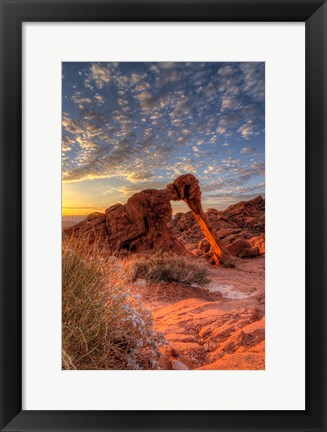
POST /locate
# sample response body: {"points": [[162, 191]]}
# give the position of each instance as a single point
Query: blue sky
{"points": [[133, 126]]}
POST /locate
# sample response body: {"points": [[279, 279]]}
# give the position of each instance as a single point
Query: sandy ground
{"points": [[221, 326]]}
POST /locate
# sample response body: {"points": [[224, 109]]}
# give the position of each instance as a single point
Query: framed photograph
{"points": [[163, 234]]}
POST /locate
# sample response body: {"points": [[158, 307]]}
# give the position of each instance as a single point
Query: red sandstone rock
{"points": [[93, 227], [214, 334], [145, 224], [242, 221], [186, 187], [138, 226], [238, 247], [259, 242], [204, 245]]}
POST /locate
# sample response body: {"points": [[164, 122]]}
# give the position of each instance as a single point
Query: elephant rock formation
{"points": [[141, 225]]}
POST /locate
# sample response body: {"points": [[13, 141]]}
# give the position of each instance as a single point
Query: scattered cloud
{"points": [[247, 129], [99, 99], [246, 150], [80, 100], [137, 125], [100, 74]]}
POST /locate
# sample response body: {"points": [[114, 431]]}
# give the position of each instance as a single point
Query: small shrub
{"points": [[166, 268], [104, 326]]}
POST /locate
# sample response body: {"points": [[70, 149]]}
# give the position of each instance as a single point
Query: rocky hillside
{"points": [[240, 229]]}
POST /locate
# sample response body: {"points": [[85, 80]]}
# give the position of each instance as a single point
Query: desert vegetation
{"points": [[163, 267], [104, 323]]}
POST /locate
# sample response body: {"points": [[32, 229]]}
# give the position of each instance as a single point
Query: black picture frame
{"points": [[13, 14]]}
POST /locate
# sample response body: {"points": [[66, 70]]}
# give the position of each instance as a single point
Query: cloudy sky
{"points": [[133, 126]]}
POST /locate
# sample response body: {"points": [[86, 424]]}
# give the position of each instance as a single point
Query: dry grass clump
{"points": [[166, 268], [104, 326]]}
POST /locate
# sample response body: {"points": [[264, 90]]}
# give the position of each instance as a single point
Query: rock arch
{"points": [[186, 187], [142, 223]]}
